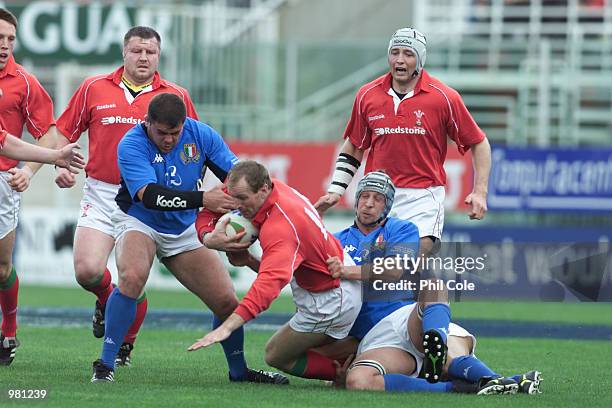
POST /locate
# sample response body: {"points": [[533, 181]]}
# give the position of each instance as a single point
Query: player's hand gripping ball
{"points": [[238, 223]]}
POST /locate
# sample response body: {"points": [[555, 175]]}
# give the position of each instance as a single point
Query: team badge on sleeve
{"points": [[190, 153]]}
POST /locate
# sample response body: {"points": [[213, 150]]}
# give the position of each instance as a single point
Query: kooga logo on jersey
{"points": [[110, 120], [399, 130], [176, 202]]}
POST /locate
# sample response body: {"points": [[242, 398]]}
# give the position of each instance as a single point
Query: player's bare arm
{"points": [[15, 148], [360, 272], [218, 201], [338, 270], [244, 258], [63, 178], [477, 199], [220, 333], [20, 181], [349, 152]]}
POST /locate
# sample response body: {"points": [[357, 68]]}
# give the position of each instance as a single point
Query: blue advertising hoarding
{"points": [[551, 179]]}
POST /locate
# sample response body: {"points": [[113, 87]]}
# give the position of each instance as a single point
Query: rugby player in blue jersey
{"points": [[390, 325], [161, 162]]}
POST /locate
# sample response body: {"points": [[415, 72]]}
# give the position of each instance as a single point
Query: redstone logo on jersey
{"points": [[111, 120], [399, 130]]}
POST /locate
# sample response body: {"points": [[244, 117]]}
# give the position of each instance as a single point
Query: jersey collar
{"points": [[10, 68], [116, 78], [423, 84]]}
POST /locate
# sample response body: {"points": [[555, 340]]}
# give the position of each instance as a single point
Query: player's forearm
{"points": [[233, 322], [352, 150], [369, 272], [481, 157], [16, 149], [347, 164], [253, 263], [352, 273], [49, 140], [158, 197]]}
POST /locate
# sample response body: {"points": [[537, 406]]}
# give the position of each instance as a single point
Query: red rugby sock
{"points": [[9, 292]]}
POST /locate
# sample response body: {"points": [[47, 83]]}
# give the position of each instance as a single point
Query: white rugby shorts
{"points": [[98, 205], [9, 205], [332, 312], [424, 207], [167, 244], [392, 331]]}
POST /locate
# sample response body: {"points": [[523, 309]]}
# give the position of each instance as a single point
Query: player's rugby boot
{"points": [[263, 377], [435, 356], [7, 349], [530, 383], [101, 373], [124, 356], [98, 320], [496, 386]]}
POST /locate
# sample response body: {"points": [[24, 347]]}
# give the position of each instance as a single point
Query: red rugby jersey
{"points": [[409, 140], [294, 242], [23, 100], [102, 105]]}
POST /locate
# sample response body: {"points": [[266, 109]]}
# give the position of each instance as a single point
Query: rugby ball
{"points": [[239, 223]]}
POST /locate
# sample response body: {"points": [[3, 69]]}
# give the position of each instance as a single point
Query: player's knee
{"points": [[357, 379], [87, 271], [270, 355], [5, 271], [274, 358], [131, 283]]}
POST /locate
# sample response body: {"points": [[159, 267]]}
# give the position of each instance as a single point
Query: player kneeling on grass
{"points": [[295, 248], [390, 326], [161, 162]]}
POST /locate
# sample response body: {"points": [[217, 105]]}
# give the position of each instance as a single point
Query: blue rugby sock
{"points": [[437, 317], [403, 383], [119, 315], [233, 347], [470, 369], [517, 378]]}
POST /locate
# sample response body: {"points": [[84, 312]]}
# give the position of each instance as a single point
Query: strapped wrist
{"points": [[346, 167]]}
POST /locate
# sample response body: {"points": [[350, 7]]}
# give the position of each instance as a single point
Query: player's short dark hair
{"points": [[8, 17], [142, 32], [167, 109], [255, 175]]}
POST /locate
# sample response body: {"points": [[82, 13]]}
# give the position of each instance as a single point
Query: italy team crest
{"points": [[380, 242], [190, 153]]}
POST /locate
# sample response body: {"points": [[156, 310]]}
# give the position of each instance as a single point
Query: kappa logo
{"points": [[120, 120], [399, 131], [158, 159], [350, 248], [108, 340]]}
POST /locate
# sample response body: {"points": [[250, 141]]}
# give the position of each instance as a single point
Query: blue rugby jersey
{"points": [[395, 236], [142, 163]]}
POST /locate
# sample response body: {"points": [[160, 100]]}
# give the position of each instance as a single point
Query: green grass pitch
{"points": [[164, 374]]}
